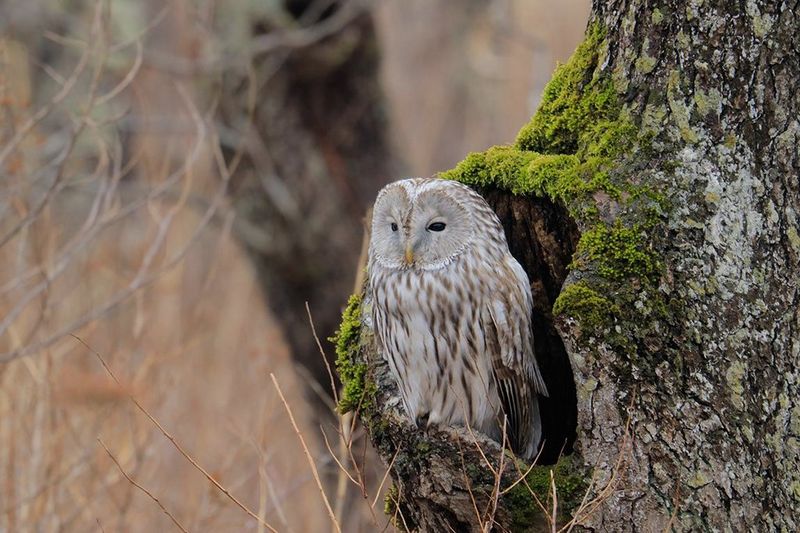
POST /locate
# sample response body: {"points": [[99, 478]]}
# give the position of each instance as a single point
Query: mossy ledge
{"points": [[571, 152], [357, 391], [570, 479], [521, 497]]}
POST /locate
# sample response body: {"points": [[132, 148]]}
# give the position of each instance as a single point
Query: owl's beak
{"points": [[409, 253]]}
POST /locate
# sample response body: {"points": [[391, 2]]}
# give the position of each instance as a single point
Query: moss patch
{"points": [[575, 104], [619, 252], [586, 304], [390, 500], [352, 372], [571, 485], [569, 146]]}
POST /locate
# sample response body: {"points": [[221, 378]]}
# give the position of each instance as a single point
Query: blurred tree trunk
{"points": [[671, 139], [316, 154]]}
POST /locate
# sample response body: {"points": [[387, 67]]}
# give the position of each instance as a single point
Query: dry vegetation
{"points": [[135, 346]]}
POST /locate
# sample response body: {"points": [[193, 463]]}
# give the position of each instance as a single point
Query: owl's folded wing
{"points": [[510, 307], [507, 326]]}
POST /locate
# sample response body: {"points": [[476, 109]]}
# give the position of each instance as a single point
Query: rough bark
{"points": [[680, 311], [714, 400]]}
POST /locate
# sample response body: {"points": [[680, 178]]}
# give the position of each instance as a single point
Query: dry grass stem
{"points": [[308, 454], [385, 477], [141, 488], [324, 357], [175, 443]]}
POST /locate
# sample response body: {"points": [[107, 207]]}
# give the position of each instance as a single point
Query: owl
{"points": [[451, 310]]}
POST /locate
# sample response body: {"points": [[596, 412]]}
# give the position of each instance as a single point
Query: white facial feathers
{"points": [[422, 223]]}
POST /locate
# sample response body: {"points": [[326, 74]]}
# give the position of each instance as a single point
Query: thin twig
{"points": [[127, 80], [523, 476], [397, 509], [45, 110], [141, 488], [386, 475], [498, 478], [554, 521], [140, 280], [587, 508], [308, 454], [174, 442], [322, 353], [336, 459], [468, 484]]}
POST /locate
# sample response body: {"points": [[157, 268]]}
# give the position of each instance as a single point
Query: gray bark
{"points": [[714, 401]]}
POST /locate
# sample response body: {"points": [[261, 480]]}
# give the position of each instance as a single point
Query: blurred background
{"points": [[178, 179]]}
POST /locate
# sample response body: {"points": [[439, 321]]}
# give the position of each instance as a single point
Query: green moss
{"points": [[556, 175], [587, 305], [356, 388], [618, 252], [569, 148], [390, 501], [572, 103], [423, 448], [503, 166], [520, 500], [570, 480], [523, 509], [571, 152]]}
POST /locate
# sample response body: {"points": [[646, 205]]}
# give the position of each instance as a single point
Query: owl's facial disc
{"points": [[439, 229], [424, 231]]}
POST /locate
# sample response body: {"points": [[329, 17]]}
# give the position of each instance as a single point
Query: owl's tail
{"points": [[534, 443]]}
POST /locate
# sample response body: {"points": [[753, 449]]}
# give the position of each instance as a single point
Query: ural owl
{"points": [[452, 311]]}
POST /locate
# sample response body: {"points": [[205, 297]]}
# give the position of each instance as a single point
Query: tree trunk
{"points": [[713, 394], [670, 140], [316, 152]]}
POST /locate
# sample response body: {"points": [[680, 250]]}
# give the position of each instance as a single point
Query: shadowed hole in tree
{"points": [[322, 9], [543, 237]]}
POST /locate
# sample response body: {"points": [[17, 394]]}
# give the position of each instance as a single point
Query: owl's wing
{"points": [[507, 325]]}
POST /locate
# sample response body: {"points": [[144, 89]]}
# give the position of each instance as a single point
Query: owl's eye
{"points": [[437, 226], [394, 226]]}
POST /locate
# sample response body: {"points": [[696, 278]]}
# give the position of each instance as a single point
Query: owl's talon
{"points": [[422, 421]]}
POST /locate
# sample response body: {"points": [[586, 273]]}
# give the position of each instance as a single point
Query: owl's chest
{"points": [[444, 296]]}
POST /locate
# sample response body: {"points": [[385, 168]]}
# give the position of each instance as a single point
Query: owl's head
{"points": [[422, 223]]}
